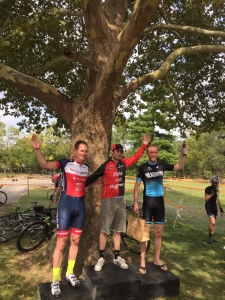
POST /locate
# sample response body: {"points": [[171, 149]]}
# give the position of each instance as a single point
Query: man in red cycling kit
{"points": [[71, 209], [113, 208]]}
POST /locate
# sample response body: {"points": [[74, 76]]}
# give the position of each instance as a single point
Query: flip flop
{"points": [[141, 273], [161, 267]]}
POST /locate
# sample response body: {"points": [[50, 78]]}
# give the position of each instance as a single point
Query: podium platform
{"points": [[114, 283]]}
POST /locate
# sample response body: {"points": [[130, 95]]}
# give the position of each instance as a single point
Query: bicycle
{"points": [[16, 221], [3, 197], [51, 194], [33, 235]]}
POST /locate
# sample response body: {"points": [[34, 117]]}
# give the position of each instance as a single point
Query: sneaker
{"points": [[55, 289], [210, 240], [120, 262], [215, 241], [73, 280], [99, 264]]}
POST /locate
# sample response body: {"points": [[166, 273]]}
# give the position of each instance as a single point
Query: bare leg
{"points": [[212, 222], [58, 252], [102, 240], [158, 230], [143, 246], [74, 245], [116, 240]]}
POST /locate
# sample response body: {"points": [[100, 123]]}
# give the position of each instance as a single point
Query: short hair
{"points": [[78, 143], [152, 146]]}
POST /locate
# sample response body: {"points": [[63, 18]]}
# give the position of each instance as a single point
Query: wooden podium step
{"points": [[114, 283]]}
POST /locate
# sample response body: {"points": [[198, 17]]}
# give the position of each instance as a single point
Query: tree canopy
{"points": [[64, 58]]}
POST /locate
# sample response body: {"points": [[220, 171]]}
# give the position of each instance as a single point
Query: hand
{"points": [[145, 139], [35, 142], [136, 208], [213, 190]]}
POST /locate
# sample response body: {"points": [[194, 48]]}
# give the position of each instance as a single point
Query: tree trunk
{"points": [[96, 131]]}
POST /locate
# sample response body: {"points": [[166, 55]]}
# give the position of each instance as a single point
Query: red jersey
{"points": [[74, 177], [113, 175]]}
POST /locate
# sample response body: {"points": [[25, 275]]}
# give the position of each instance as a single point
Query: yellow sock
{"points": [[70, 267], [56, 274]]}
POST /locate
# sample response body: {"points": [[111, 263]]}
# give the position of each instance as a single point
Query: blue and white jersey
{"points": [[152, 176]]}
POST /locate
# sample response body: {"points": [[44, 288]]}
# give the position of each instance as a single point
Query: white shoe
{"points": [[55, 289], [99, 264], [73, 280], [120, 262]]}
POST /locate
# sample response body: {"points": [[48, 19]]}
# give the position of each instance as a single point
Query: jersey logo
{"points": [[78, 187]]}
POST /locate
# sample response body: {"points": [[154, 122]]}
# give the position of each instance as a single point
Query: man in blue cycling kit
{"points": [[151, 173]]}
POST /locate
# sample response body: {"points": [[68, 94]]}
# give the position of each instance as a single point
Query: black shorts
{"points": [[211, 210], [154, 209]]}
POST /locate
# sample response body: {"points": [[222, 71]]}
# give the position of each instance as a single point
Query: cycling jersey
{"points": [[153, 202], [71, 208], [113, 175], [208, 191], [211, 205], [74, 177], [152, 176]]}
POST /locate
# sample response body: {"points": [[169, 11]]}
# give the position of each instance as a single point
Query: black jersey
{"points": [[208, 191]]}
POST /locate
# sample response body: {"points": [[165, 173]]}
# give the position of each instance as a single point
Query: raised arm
{"points": [[51, 165], [134, 158], [180, 164]]}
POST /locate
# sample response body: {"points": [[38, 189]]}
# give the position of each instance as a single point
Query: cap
{"points": [[117, 147]]}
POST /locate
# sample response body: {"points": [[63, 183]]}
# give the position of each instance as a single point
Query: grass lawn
{"points": [[185, 250]]}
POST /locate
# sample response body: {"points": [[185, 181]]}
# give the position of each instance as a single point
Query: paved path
{"points": [[14, 188]]}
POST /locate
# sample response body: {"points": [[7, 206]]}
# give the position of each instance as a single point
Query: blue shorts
{"points": [[70, 215]]}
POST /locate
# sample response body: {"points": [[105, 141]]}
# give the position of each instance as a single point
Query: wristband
{"points": [[36, 148]]}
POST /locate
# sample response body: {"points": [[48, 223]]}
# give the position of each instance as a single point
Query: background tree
{"points": [[79, 60]]}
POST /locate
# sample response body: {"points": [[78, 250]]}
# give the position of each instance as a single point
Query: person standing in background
{"points": [[211, 202]]}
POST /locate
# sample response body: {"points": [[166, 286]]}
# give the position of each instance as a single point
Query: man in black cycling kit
{"points": [[211, 201], [71, 209], [151, 173]]}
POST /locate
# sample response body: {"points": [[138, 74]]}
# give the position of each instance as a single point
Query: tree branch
{"points": [[94, 21], [69, 56], [38, 89], [180, 110], [115, 12], [191, 29], [132, 31], [141, 81], [63, 12], [141, 15]]}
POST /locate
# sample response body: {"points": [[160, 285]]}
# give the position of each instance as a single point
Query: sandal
{"points": [[162, 267], [141, 273]]}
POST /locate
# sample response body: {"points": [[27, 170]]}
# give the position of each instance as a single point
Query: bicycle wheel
{"points": [[32, 236], [131, 244], [50, 194], [3, 198]]}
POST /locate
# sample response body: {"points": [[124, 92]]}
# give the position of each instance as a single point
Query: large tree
{"points": [[84, 61]]}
